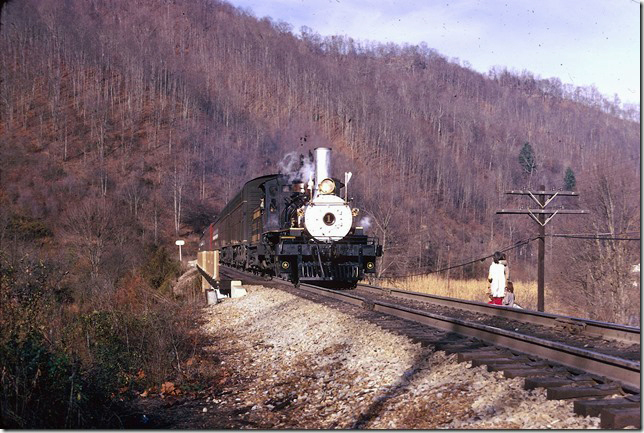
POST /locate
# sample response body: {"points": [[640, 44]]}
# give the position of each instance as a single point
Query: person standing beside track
{"points": [[504, 261], [496, 277], [508, 299]]}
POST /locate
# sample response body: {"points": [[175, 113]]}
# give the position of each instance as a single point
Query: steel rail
{"points": [[625, 372], [606, 330], [622, 371]]}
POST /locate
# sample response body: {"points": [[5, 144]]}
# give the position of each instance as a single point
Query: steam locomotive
{"points": [[298, 229]]}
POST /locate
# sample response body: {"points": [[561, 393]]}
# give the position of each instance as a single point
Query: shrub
{"points": [[43, 383], [69, 365], [28, 228], [160, 269], [38, 386]]}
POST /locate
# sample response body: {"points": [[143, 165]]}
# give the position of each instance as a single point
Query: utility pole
{"points": [[542, 216], [449, 265]]}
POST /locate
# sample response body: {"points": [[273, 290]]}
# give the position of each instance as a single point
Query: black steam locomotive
{"points": [[295, 226]]}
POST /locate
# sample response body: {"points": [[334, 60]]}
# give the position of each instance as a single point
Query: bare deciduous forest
{"points": [[127, 125]]}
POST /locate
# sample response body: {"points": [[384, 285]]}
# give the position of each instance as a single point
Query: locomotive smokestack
{"points": [[322, 166]]}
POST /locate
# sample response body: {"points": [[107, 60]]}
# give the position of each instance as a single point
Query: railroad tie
{"points": [[620, 418], [552, 382], [583, 378], [487, 353], [503, 366], [368, 305], [567, 392], [538, 364], [425, 339], [570, 325], [595, 407], [499, 361], [453, 347], [511, 373]]}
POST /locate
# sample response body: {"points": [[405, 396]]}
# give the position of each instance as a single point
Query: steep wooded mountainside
{"points": [[126, 124]]}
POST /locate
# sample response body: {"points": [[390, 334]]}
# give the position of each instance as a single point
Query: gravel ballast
{"points": [[289, 362]]}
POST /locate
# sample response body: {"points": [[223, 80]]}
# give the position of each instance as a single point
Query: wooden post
{"points": [[541, 268], [215, 264], [449, 264], [201, 262], [208, 261], [542, 216]]}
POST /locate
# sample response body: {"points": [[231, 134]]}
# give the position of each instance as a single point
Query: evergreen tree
{"points": [[569, 179], [527, 159]]}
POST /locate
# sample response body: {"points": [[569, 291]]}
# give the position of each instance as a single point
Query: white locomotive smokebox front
{"points": [[328, 218]]}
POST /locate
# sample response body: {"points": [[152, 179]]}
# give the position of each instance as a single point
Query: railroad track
{"points": [[625, 372], [609, 331], [566, 371]]}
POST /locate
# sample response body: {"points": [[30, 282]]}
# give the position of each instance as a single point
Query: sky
{"points": [[581, 42]]}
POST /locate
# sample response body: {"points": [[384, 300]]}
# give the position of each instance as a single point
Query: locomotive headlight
{"points": [[327, 186], [370, 265], [285, 265]]}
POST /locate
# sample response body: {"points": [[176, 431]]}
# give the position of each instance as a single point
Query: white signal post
{"points": [[180, 242]]}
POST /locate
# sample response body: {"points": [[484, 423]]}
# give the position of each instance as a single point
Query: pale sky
{"points": [[581, 42]]}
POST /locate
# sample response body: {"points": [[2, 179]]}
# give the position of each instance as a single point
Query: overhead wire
{"points": [[631, 232], [480, 259], [587, 236], [591, 237]]}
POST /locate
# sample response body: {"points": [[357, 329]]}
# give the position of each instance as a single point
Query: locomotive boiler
{"points": [[297, 227]]}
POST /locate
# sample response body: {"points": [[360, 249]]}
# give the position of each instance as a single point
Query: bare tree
{"points": [[598, 273], [89, 227]]}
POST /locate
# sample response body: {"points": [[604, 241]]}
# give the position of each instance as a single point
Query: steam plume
{"points": [[297, 167], [365, 222]]}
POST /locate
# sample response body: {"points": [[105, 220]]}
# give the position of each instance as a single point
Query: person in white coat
{"points": [[496, 277]]}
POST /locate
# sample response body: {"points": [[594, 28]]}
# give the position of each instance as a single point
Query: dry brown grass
{"points": [[474, 290]]}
